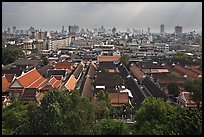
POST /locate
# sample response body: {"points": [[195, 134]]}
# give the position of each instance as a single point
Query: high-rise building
{"points": [[73, 29], [102, 30], [178, 29], [8, 30], [114, 31], [148, 30], [162, 28], [62, 29], [14, 29]]}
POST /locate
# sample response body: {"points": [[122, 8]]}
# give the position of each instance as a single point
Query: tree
{"points": [[195, 87], [44, 60], [13, 116], [173, 75], [156, 117], [125, 59], [118, 80], [188, 121], [9, 55], [103, 107], [173, 89], [111, 127], [60, 113], [182, 57]]}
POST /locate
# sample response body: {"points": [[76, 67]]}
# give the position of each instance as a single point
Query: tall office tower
{"points": [[14, 29], [8, 30], [114, 31], [162, 28], [178, 29], [73, 29], [148, 30], [102, 30], [62, 29]]}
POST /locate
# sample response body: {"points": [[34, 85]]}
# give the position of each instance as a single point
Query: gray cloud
{"points": [[122, 15]]}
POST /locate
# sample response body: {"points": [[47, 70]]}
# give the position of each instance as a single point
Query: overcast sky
{"points": [[122, 15]]}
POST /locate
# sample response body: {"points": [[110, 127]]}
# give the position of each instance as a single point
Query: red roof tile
{"points": [[31, 79], [186, 71], [10, 77], [70, 85], [54, 82], [108, 58], [118, 98], [5, 84], [64, 65], [136, 72]]}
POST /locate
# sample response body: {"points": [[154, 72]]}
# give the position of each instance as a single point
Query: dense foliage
{"points": [[9, 55], [125, 59], [182, 57], [156, 117], [62, 113], [195, 87], [173, 89]]}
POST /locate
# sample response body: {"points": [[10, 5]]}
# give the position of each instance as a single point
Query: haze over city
{"points": [[122, 15]]}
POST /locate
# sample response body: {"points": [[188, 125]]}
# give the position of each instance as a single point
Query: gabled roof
{"points": [[64, 65], [88, 88], [118, 99], [108, 58], [186, 71], [54, 82], [154, 89], [71, 83], [137, 72], [31, 79], [16, 71], [92, 71], [53, 72], [5, 83], [78, 70]]}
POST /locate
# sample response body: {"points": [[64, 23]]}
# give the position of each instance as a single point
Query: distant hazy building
{"points": [[101, 30], [8, 30], [28, 44], [14, 29], [62, 29], [162, 28], [114, 31], [57, 44], [178, 29], [73, 29], [148, 30]]}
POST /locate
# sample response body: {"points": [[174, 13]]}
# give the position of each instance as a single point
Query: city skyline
{"points": [[122, 15]]}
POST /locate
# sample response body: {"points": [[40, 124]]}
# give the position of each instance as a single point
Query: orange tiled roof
{"points": [[196, 70], [70, 85], [188, 102], [186, 71], [10, 77], [54, 82], [5, 84], [118, 98], [108, 58], [64, 65], [136, 72], [31, 79]]}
